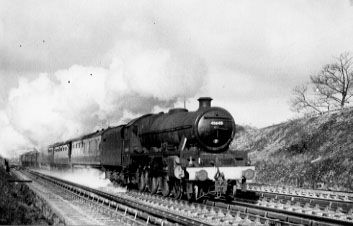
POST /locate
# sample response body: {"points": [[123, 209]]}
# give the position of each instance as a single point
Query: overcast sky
{"points": [[68, 67]]}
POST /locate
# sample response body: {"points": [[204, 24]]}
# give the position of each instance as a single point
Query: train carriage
{"points": [[50, 156], [86, 150], [61, 155], [30, 159]]}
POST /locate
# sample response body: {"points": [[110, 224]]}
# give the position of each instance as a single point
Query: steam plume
{"points": [[80, 99]]}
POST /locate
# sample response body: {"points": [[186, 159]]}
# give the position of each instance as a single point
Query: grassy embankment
{"points": [[303, 152], [17, 205]]}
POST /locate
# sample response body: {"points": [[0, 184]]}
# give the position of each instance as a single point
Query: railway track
{"points": [[330, 202], [76, 206], [215, 215], [245, 213], [149, 209], [121, 207], [287, 215], [311, 193], [293, 206], [135, 208]]}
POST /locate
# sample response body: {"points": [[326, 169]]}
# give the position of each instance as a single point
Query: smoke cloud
{"points": [[80, 99], [11, 142]]}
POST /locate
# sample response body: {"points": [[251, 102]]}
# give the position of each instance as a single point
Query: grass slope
{"points": [[17, 205], [303, 152]]}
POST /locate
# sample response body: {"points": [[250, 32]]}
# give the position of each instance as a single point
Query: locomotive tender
{"points": [[178, 153]]}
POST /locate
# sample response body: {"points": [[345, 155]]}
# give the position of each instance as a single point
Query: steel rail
{"points": [[284, 215], [170, 217]]}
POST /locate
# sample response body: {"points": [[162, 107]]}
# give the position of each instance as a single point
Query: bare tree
{"points": [[332, 87], [301, 101], [335, 81]]}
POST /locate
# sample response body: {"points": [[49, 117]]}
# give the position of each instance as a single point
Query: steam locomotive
{"points": [[179, 153]]}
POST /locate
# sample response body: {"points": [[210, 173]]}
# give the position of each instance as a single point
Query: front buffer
{"points": [[224, 181]]}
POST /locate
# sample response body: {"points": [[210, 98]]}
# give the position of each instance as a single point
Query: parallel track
{"points": [[156, 210], [288, 216], [160, 210], [322, 194], [325, 200], [145, 213]]}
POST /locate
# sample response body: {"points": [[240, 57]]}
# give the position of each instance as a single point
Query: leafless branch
{"points": [[334, 81]]}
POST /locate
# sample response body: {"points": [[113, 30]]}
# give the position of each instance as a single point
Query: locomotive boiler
{"points": [[212, 129]]}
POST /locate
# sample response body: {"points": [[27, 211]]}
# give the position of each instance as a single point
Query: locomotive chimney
{"points": [[204, 102]]}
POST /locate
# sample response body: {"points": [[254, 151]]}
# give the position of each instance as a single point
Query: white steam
{"points": [[92, 178], [80, 99], [11, 142]]}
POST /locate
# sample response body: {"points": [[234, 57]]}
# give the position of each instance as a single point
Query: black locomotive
{"points": [[176, 153]]}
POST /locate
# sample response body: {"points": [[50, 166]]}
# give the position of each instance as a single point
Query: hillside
{"points": [[303, 152]]}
